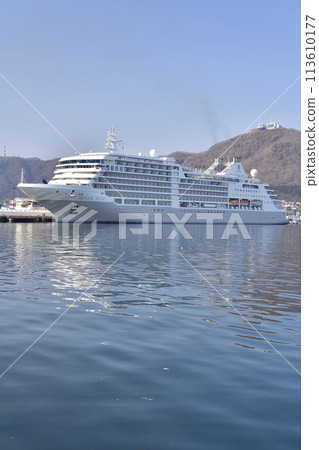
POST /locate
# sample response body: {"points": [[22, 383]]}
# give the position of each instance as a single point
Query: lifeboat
{"points": [[244, 202], [256, 203], [234, 201]]}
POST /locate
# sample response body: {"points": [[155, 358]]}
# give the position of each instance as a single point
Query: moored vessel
{"points": [[105, 185]]}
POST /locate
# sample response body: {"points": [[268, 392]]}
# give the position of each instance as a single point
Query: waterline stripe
{"points": [[243, 317], [60, 317]]}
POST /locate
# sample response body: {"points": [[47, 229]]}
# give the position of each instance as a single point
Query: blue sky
{"points": [[171, 75]]}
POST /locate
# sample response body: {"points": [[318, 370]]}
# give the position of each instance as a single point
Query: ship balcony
{"points": [[74, 175], [77, 169]]}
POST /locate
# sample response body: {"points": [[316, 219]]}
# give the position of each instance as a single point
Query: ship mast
{"points": [[111, 140]]}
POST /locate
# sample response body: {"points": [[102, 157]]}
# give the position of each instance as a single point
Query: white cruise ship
{"points": [[102, 185]]}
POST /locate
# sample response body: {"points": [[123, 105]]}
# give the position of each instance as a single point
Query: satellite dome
{"points": [[152, 153], [254, 173]]}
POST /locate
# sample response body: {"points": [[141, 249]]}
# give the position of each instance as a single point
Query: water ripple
{"points": [[163, 357]]}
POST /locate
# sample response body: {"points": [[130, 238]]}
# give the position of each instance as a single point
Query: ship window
{"points": [[131, 202], [148, 202], [163, 203]]}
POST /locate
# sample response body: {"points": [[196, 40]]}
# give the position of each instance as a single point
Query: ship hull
{"points": [[86, 205]]}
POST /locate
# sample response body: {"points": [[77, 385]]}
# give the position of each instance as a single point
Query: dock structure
{"points": [[22, 209], [25, 216]]}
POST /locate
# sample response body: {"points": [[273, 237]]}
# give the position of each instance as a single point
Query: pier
{"points": [[24, 210], [25, 216]]}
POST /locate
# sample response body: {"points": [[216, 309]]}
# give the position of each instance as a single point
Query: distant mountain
{"points": [[35, 170], [274, 153]]}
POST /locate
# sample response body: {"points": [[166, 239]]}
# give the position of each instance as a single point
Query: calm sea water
{"points": [[151, 356]]}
